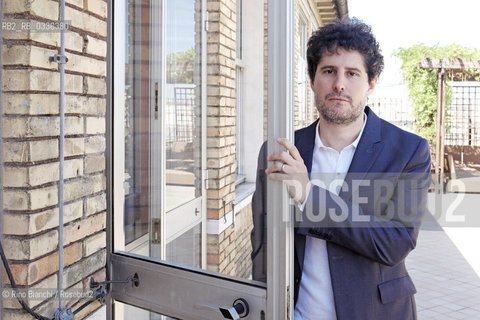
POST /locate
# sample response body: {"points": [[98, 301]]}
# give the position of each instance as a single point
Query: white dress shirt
{"points": [[315, 297]]}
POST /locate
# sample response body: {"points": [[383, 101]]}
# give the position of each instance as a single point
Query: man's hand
{"points": [[289, 167]]}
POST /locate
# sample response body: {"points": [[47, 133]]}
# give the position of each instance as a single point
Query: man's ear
{"points": [[371, 85]]}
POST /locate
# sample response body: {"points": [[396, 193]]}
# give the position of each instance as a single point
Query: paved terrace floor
{"points": [[443, 269]]}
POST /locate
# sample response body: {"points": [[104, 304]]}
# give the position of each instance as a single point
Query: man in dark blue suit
{"points": [[360, 186]]}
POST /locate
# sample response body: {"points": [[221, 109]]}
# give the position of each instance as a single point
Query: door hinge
{"points": [[206, 180], [206, 21], [156, 231]]}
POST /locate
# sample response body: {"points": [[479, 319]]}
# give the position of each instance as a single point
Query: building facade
{"points": [[165, 111]]}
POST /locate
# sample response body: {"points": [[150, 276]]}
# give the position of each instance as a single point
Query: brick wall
{"points": [[228, 249], [31, 151], [221, 53], [243, 227]]}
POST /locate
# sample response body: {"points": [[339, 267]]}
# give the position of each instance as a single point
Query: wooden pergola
{"points": [[444, 66]]}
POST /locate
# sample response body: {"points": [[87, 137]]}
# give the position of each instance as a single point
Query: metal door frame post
{"points": [[280, 124]]}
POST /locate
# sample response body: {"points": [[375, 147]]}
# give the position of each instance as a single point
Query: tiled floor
{"points": [[448, 287]]}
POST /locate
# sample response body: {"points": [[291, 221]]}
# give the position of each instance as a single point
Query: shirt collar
{"points": [[319, 143]]}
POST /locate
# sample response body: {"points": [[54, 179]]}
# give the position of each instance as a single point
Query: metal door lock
{"points": [[239, 310]]}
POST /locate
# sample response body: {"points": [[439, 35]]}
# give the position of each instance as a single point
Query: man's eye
{"points": [[328, 71], [352, 74]]}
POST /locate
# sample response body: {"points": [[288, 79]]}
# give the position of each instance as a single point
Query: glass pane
{"points": [[186, 249], [162, 139], [125, 311], [183, 104], [167, 211], [137, 121]]}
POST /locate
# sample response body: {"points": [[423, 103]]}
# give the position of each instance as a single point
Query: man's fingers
{"points": [[281, 156], [287, 156], [290, 147], [277, 167]]}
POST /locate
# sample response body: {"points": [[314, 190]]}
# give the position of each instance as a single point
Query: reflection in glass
{"points": [[186, 249], [137, 114], [183, 105], [162, 177], [162, 197]]}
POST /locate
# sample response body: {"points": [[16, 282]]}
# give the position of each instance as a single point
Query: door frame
{"points": [[158, 183], [276, 297], [280, 248]]}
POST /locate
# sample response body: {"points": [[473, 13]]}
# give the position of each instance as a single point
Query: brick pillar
{"points": [[221, 129], [31, 152]]}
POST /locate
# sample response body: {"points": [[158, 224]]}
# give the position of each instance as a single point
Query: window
{"points": [[302, 81], [250, 94], [239, 108]]}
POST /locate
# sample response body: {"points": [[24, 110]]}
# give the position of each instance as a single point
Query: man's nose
{"points": [[339, 83]]}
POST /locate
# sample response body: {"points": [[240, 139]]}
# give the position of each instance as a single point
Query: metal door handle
{"points": [[239, 309]]}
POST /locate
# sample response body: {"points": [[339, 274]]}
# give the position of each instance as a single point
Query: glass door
{"points": [[176, 156], [177, 238], [162, 187]]}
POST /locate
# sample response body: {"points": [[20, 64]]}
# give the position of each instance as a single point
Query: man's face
{"points": [[341, 86]]}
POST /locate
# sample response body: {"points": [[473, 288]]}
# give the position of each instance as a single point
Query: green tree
{"points": [[180, 66], [423, 83]]}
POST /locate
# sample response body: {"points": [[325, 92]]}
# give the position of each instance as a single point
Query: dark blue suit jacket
{"points": [[366, 258]]}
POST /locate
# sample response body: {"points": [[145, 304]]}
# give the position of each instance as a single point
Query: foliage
{"points": [[181, 57], [180, 66], [423, 83]]}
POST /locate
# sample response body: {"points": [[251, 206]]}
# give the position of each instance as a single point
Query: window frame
{"points": [[239, 84]]}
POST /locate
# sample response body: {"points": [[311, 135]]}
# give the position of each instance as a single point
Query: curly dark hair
{"points": [[349, 34]]}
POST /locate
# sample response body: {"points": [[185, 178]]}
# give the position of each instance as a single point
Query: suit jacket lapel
{"points": [[368, 149], [305, 143]]}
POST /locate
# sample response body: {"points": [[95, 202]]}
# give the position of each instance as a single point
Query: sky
{"points": [[180, 25], [405, 23]]}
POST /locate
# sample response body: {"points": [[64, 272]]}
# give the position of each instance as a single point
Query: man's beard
{"points": [[333, 114]]}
